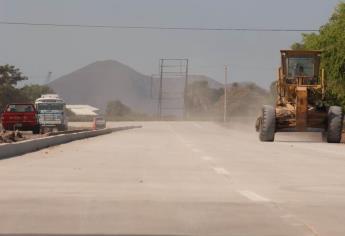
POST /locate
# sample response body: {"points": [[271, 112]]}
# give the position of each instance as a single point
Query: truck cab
{"points": [[20, 116], [51, 111]]}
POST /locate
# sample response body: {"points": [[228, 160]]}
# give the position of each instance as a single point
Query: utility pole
{"points": [[48, 78], [151, 86], [225, 92], [160, 95], [186, 90]]}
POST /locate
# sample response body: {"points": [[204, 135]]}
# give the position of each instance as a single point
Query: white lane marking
{"points": [[253, 196], [221, 171], [196, 150], [207, 158], [182, 139]]}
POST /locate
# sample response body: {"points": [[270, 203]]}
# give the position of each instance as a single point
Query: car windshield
{"points": [[300, 66], [20, 108], [50, 107]]}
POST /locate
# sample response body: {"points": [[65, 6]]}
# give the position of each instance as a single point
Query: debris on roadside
{"points": [[7, 136], [12, 136]]}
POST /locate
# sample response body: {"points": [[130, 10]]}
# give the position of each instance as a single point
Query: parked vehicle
{"points": [[99, 123], [20, 116], [51, 112]]}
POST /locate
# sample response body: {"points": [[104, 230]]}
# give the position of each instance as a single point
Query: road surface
{"points": [[177, 178]]}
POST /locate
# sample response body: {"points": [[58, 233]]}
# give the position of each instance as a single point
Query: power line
{"points": [[158, 27]]}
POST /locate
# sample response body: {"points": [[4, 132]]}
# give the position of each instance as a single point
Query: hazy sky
{"points": [[252, 56]]}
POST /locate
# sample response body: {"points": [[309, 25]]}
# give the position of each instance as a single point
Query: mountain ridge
{"points": [[102, 81]]}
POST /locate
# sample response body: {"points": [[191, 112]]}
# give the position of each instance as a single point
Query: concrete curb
{"points": [[20, 148]]}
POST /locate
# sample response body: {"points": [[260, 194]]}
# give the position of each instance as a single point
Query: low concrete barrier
{"points": [[20, 148]]}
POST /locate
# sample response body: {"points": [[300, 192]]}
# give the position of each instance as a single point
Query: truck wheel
{"points": [[36, 130], [335, 124], [61, 128], [268, 124]]}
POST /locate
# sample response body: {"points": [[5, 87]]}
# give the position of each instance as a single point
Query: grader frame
{"points": [[300, 95]]}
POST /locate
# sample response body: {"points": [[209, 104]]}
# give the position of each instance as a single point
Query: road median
{"points": [[19, 148]]}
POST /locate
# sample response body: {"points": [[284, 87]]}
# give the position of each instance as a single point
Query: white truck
{"points": [[51, 112]]}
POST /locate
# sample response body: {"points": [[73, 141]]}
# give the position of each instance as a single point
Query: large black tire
{"points": [[268, 124], [36, 129], [61, 128], [335, 124]]}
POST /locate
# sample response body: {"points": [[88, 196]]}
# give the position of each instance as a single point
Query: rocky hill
{"points": [[103, 81]]}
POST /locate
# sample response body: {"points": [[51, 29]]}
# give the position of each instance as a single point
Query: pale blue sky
{"points": [[252, 56]]}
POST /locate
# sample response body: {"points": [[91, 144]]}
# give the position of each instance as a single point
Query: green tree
{"points": [[331, 40], [9, 78], [10, 75], [9, 94]]}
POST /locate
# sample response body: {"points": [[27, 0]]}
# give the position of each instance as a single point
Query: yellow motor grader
{"points": [[300, 103]]}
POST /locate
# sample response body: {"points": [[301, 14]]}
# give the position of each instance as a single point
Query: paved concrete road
{"points": [[177, 178]]}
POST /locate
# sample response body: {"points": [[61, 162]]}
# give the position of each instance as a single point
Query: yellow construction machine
{"points": [[300, 105]]}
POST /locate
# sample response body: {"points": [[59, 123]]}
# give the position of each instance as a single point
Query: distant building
{"points": [[83, 110]]}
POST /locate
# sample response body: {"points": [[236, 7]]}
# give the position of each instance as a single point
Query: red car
{"points": [[21, 116]]}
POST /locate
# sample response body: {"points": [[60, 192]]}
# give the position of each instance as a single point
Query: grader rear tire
{"points": [[335, 124], [268, 124]]}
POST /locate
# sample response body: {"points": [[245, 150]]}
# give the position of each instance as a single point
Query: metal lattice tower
{"points": [[173, 81]]}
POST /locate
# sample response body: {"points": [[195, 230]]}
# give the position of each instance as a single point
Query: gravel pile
{"points": [[11, 136]]}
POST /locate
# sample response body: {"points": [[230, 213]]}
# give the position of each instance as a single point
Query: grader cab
{"points": [[300, 103]]}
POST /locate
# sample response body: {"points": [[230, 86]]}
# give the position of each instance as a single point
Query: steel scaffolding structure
{"points": [[173, 81]]}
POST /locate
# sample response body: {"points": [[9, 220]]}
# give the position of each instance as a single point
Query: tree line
{"points": [[10, 76], [331, 40]]}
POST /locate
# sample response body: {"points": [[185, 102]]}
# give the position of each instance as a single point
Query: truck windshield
{"points": [[300, 66], [20, 108], [50, 107]]}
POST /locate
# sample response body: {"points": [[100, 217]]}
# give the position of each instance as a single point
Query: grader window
{"points": [[299, 66]]}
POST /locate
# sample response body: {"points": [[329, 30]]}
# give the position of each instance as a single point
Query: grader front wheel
{"points": [[268, 124]]}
